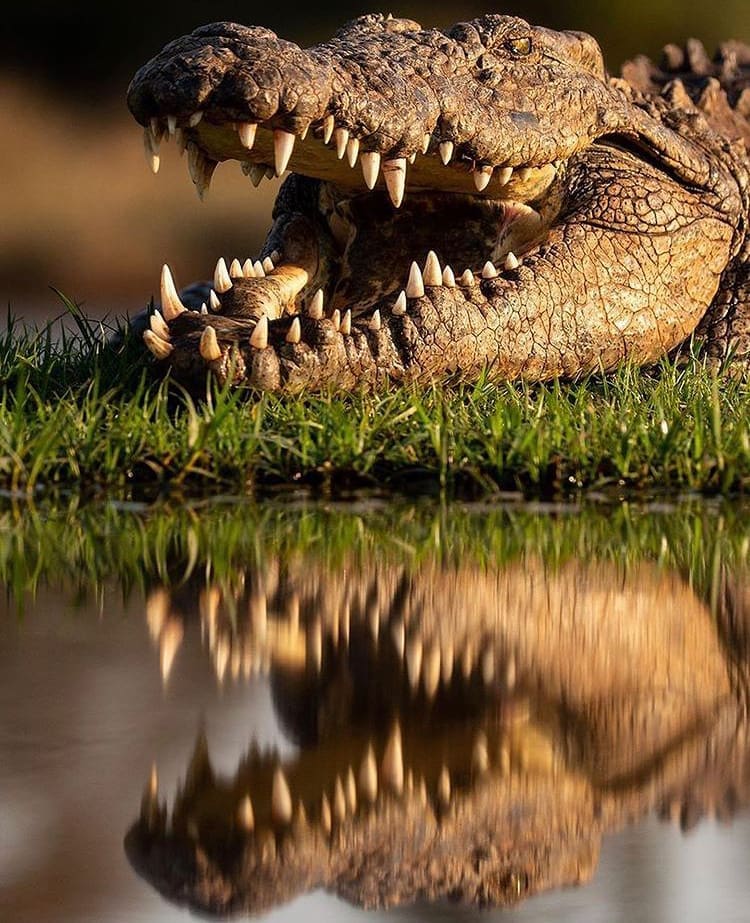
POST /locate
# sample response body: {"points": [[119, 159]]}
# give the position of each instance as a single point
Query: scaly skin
{"points": [[602, 220], [538, 707]]}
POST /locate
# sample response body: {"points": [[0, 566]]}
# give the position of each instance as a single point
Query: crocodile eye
{"points": [[520, 47]]}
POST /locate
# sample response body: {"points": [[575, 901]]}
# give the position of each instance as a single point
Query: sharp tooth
{"points": [[350, 788], [400, 306], [213, 300], [155, 125], [222, 279], [246, 131], [259, 270], [431, 671], [394, 174], [480, 759], [156, 322], [504, 176], [415, 285], [283, 145], [370, 168], [325, 814], [341, 138], [201, 169], [482, 177], [294, 334], [172, 124], [160, 348], [523, 173], [392, 767], [336, 319], [268, 265], [446, 151], [488, 270], [433, 275], [195, 119], [414, 661], [209, 345], [281, 799], [259, 337], [444, 786], [153, 161], [375, 321], [352, 151], [235, 270], [368, 776], [246, 815], [426, 142], [412, 158], [467, 278], [204, 308], [315, 309], [247, 269], [511, 261], [329, 124], [170, 301], [346, 324], [449, 279], [339, 801]]}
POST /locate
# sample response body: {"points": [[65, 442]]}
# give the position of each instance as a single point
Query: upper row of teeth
{"points": [[372, 163]]}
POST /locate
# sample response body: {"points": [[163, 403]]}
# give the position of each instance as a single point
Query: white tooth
{"points": [[488, 270], [303, 133], [283, 145], [160, 348], [195, 119], [171, 305], [294, 334], [259, 270], [213, 300], [426, 142], [346, 324], [153, 161], [200, 168], [414, 661], [412, 158], [394, 174], [433, 275], [246, 131], [504, 176], [370, 168], [172, 124], [325, 814], [204, 308], [400, 306], [415, 285], [156, 322], [328, 125], [247, 269], [259, 337], [511, 261], [315, 309], [375, 321], [268, 266], [392, 767], [222, 279], [446, 151], [281, 799], [444, 786], [449, 279], [235, 269], [246, 815], [209, 345], [482, 177], [467, 278], [368, 776], [336, 319], [341, 138], [352, 151]]}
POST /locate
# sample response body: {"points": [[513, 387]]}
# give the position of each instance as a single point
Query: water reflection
{"points": [[475, 699]]}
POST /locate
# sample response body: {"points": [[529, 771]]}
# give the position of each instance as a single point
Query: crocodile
{"points": [[468, 731], [483, 199]]}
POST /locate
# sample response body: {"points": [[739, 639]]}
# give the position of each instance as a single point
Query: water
{"points": [[574, 676]]}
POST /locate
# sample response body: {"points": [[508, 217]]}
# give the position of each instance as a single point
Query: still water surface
{"points": [[537, 704]]}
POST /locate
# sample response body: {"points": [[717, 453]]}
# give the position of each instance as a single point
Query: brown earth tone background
{"points": [[80, 210]]}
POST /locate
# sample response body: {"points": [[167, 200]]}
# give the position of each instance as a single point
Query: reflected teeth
{"points": [[325, 814], [414, 661], [246, 815], [209, 345], [222, 279], [341, 139], [392, 768], [482, 177], [283, 145], [294, 334], [246, 132], [172, 125], [170, 301], [194, 119], [201, 169], [444, 787], [259, 337], [480, 759], [433, 274], [350, 788], [370, 161], [328, 126], [368, 776], [315, 310], [415, 285], [281, 799], [399, 307], [446, 151], [160, 348], [352, 151], [394, 174]]}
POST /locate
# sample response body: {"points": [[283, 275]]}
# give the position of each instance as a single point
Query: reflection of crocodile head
{"points": [[465, 732]]}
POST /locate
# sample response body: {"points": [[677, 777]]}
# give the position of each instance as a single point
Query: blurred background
{"points": [[81, 211]]}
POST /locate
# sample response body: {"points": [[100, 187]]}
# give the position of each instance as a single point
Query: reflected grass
{"points": [[77, 414]]}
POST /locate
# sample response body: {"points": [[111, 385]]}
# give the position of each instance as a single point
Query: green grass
{"points": [[78, 415]]}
